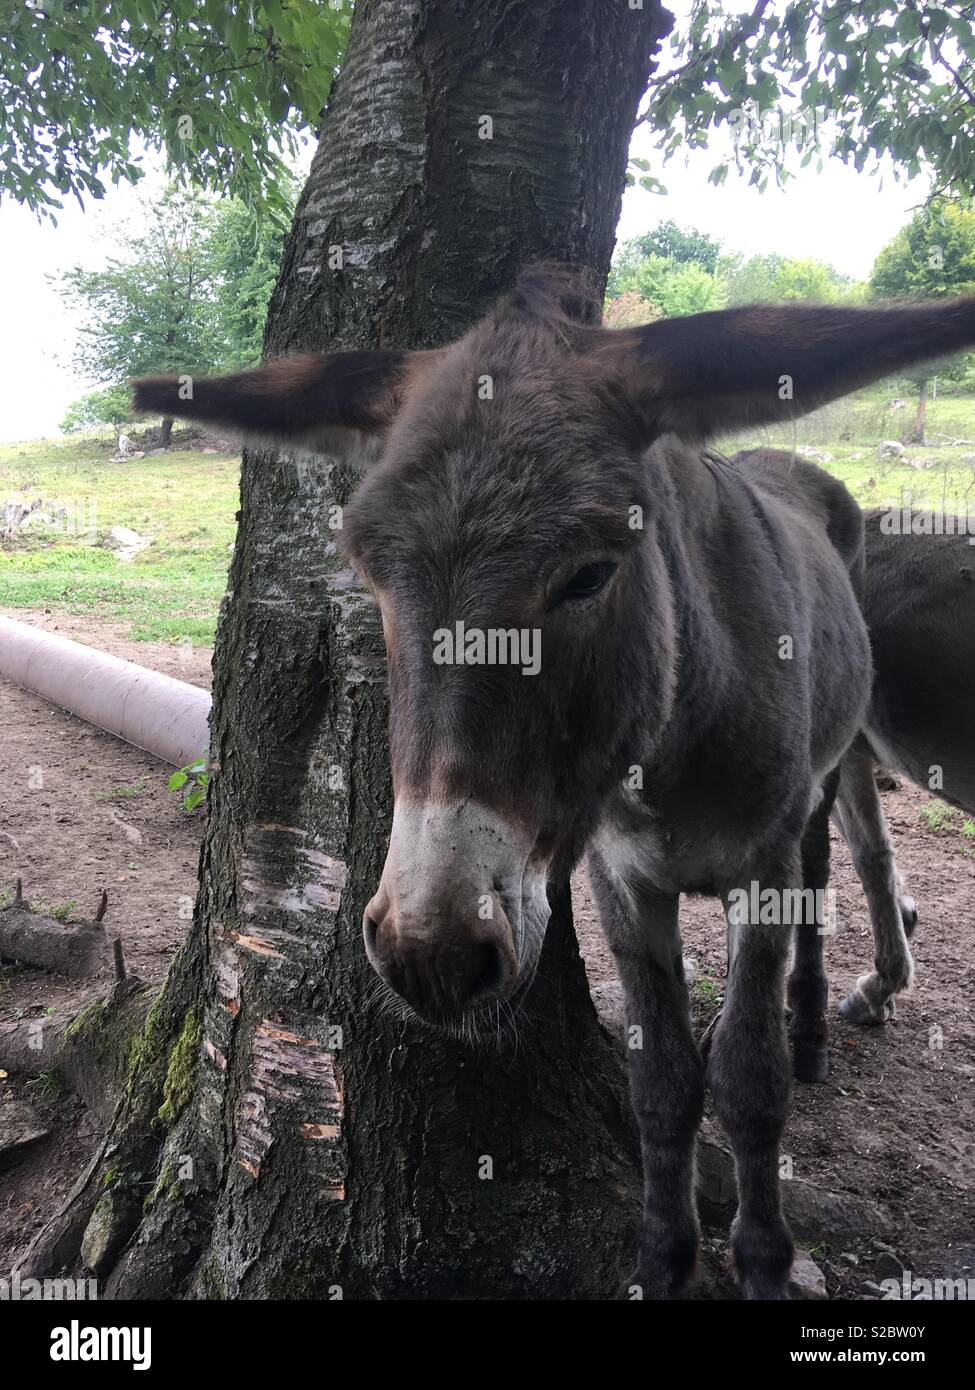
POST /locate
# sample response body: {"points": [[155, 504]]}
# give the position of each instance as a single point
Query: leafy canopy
{"points": [[933, 257], [892, 77], [220, 86]]}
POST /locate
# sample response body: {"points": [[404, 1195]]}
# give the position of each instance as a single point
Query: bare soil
{"points": [[82, 812], [895, 1122]]}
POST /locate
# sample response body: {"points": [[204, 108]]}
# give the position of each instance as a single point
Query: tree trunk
{"points": [[165, 432], [327, 1148]]}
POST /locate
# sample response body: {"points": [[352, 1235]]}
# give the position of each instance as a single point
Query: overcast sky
{"points": [[838, 216]]}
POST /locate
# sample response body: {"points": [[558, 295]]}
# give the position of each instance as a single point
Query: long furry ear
{"points": [[338, 404], [709, 373]]}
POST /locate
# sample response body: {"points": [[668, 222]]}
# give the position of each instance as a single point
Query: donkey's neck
{"points": [[691, 507]]}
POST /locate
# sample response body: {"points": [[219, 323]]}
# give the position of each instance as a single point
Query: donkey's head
{"points": [[509, 532]]}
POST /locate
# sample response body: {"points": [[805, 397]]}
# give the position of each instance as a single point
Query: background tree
{"points": [[674, 270], [188, 294], [670, 270], [110, 406], [668, 288], [245, 253], [151, 308], [775, 279], [932, 258], [892, 78], [681, 244], [299, 1138], [220, 89]]}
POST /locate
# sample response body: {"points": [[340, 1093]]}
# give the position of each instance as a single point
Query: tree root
{"points": [[77, 948]]}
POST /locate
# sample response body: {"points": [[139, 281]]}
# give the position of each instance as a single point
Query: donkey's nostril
{"points": [[370, 932], [484, 974]]}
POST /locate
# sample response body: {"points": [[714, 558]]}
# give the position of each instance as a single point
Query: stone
{"points": [[125, 542], [813, 1213], [807, 1281], [19, 1128], [887, 1264]]}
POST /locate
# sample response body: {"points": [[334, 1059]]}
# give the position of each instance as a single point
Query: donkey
{"points": [[705, 667], [919, 603], [918, 599]]}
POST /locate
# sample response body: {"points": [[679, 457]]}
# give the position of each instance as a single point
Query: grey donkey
{"points": [[704, 669], [918, 599]]}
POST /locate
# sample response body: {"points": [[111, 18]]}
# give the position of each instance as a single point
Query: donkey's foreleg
{"points": [[748, 1071], [808, 990], [666, 1074], [861, 820]]}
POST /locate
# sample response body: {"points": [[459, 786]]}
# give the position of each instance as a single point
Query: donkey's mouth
{"points": [[457, 922], [488, 1022]]}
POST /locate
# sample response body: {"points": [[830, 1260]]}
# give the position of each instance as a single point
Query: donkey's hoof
{"points": [[666, 1267], [763, 1263], [810, 1062], [857, 1008], [908, 915]]}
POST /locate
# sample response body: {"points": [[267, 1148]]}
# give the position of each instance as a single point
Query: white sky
{"points": [[837, 216]]}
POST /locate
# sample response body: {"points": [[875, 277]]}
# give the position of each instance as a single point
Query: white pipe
{"points": [[163, 716]]}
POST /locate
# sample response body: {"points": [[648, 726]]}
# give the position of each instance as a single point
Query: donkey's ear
{"points": [[339, 404], [708, 373]]}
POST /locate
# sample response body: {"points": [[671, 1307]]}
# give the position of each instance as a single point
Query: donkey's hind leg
{"points": [[807, 988], [862, 823]]}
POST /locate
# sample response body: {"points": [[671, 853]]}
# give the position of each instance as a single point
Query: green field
{"points": [[843, 438], [186, 503]]}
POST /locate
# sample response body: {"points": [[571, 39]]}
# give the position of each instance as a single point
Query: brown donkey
{"points": [[601, 638]]}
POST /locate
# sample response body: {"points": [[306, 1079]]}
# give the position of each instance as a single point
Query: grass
{"points": [[706, 990], [938, 816], [186, 502], [122, 793], [843, 437], [941, 819]]}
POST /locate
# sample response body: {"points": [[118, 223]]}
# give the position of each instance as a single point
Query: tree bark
{"points": [[326, 1148]]}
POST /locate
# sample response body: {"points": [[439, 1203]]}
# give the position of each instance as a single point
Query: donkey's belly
{"points": [[639, 851]]}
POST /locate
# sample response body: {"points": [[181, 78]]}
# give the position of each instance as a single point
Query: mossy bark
{"points": [[328, 1148]]}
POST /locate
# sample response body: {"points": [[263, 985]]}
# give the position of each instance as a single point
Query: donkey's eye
{"points": [[585, 583]]}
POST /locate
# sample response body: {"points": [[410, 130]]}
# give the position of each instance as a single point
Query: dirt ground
{"points": [[895, 1122]]}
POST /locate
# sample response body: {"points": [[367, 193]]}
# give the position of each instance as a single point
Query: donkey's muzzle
{"points": [[441, 970]]}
